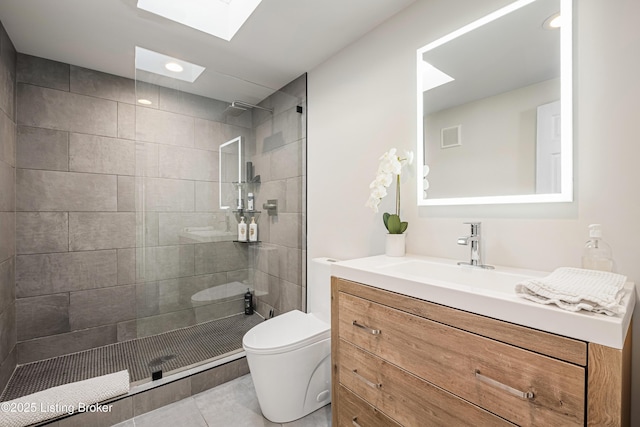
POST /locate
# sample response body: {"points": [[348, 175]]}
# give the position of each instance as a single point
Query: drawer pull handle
{"points": [[501, 386], [354, 421], [366, 381], [372, 331]]}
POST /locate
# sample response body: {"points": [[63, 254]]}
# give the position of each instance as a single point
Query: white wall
{"points": [[362, 102]]}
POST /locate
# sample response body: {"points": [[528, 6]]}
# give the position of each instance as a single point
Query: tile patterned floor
{"points": [[233, 404]]}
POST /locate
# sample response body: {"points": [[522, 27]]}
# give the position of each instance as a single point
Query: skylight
{"points": [[167, 66], [221, 18]]}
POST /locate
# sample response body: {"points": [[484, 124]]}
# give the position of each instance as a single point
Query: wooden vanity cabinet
{"points": [[399, 360]]}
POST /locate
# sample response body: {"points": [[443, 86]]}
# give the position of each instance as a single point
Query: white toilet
{"points": [[289, 356]]}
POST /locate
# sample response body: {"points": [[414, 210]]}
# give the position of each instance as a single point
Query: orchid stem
{"points": [[398, 195]]}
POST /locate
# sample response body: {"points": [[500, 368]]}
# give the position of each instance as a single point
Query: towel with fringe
{"points": [[577, 289], [63, 400]]}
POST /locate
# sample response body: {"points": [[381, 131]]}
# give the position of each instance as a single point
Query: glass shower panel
{"points": [[191, 273]]}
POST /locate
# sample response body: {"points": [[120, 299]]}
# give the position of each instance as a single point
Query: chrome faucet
{"points": [[474, 240]]}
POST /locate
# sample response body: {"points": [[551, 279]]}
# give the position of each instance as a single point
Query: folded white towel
{"points": [[63, 400], [577, 289]]}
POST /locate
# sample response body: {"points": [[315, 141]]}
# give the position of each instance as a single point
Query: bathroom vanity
{"points": [[421, 341]]}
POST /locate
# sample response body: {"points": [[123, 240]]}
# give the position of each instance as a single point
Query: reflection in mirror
{"points": [[230, 170], [495, 109]]}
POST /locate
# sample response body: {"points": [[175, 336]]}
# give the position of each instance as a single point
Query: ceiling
{"points": [[279, 42]]}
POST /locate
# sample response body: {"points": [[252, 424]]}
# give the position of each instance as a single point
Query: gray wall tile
{"points": [[147, 159], [43, 72], [102, 85], [287, 230], [126, 266], [42, 149], [42, 316], [7, 367], [126, 194], [7, 284], [104, 306], [64, 272], [209, 135], [148, 326], [171, 225], [188, 163], [92, 231], [191, 105], [169, 195], [126, 121], [96, 154], [7, 330], [42, 232], [53, 109], [164, 127], [62, 191], [147, 91], [7, 74], [7, 187], [164, 262], [286, 162], [207, 196], [7, 139], [127, 330], [57, 345], [7, 235], [220, 256]]}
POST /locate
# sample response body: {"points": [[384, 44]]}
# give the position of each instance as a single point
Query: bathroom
{"points": [[361, 102]]}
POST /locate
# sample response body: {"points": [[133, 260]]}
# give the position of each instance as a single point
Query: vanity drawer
{"points": [[485, 372], [355, 412], [404, 397]]}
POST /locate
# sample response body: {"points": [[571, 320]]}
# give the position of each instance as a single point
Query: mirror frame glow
{"points": [[566, 126], [220, 158]]}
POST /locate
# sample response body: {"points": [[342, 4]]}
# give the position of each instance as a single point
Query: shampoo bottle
{"points": [[248, 302], [597, 253], [242, 230], [253, 230]]}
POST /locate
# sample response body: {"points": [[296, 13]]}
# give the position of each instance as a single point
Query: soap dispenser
{"points": [[597, 253], [253, 230], [242, 230]]}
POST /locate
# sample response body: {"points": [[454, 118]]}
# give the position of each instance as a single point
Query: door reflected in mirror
{"points": [[495, 109]]}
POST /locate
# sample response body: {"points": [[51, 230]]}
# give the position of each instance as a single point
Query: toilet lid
{"points": [[286, 332]]}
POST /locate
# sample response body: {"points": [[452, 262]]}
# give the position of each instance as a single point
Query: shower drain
{"points": [[162, 359]]}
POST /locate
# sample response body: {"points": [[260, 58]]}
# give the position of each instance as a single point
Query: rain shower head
{"points": [[238, 107]]}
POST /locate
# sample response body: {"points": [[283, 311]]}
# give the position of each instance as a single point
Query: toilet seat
{"points": [[284, 333]]}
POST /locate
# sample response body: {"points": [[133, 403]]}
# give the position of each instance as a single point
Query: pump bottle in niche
{"points": [[248, 302], [242, 230], [253, 230]]}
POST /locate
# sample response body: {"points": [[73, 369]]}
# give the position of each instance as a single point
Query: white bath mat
{"points": [[81, 396]]}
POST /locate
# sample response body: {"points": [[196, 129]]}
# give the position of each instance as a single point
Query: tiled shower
{"points": [[104, 191]]}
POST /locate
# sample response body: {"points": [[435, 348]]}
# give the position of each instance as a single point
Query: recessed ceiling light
{"points": [[144, 101], [158, 63], [552, 22], [220, 18], [174, 66]]}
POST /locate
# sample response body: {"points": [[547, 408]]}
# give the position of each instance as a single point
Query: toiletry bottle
{"points": [[597, 253], [250, 205], [253, 230], [242, 230], [248, 302]]}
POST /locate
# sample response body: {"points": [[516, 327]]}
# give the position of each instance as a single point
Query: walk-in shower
{"points": [[141, 268]]}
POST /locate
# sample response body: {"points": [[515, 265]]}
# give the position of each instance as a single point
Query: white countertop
{"points": [[484, 292]]}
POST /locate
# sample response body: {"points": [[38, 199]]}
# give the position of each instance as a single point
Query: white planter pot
{"points": [[395, 245]]}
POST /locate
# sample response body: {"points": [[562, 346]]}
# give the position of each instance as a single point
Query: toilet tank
{"points": [[319, 288]]}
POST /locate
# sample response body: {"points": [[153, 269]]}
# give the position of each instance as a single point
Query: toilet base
{"points": [[291, 385]]}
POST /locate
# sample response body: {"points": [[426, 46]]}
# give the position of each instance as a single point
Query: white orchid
{"points": [[390, 164]]}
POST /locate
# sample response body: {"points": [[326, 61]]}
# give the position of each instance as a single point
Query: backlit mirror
{"points": [[495, 109], [230, 170]]}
